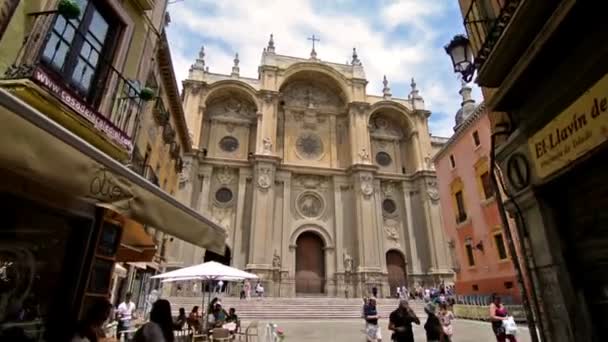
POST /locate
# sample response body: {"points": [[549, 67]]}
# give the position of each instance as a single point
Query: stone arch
{"points": [[396, 265], [394, 147], [216, 89], [314, 228], [316, 68]]}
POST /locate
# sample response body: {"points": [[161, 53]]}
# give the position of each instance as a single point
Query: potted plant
{"points": [[146, 94], [69, 9]]}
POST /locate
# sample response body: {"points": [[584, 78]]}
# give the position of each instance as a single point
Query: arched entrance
{"points": [[310, 264], [395, 264]]}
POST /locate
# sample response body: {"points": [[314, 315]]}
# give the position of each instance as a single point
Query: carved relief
{"points": [[310, 204], [388, 188], [226, 175], [267, 145], [382, 128], [223, 217], [184, 176], [348, 262], [276, 260], [264, 178], [364, 156], [309, 181], [432, 191], [305, 95], [232, 108], [367, 186], [390, 229], [309, 146]]}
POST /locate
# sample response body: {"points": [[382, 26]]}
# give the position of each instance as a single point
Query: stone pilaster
{"points": [[414, 259], [368, 253], [237, 257], [205, 173], [358, 128]]}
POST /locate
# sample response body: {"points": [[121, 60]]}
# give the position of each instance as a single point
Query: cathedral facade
{"points": [[322, 188]]}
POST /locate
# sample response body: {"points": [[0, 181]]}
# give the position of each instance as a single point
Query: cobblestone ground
{"points": [[352, 331]]}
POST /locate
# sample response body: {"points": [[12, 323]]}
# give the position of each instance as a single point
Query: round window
{"points": [[389, 206], [223, 195], [309, 146], [383, 158], [229, 144]]}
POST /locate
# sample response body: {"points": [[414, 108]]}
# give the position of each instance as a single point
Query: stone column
{"points": [[359, 133], [384, 290], [333, 141], [330, 270], [205, 172], [287, 266], [368, 257], [414, 262], [418, 151], [238, 257]]}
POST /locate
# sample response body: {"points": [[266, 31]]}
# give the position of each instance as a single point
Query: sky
{"points": [[397, 38]]}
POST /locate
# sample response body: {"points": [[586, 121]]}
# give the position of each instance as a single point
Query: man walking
{"points": [[372, 329], [400, 322], [125, 313]]}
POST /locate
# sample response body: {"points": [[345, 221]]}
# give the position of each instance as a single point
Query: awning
{"points": [[135, 244], [39, 148]]}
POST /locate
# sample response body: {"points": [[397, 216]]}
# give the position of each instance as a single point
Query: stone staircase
{"points": [[296, 308]]}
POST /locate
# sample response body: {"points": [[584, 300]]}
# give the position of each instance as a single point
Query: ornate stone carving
{"points": [[390, 229], [388, 188], [364, 156], [264, 178], [309, 146], [184, 176], [382, 128], [225, 175], [367, 186], [309, 181], [223, 217], [267, 145], [432, 191], [232, 108], [305, 95], [310, 204], [348, 262], [276, 260]]}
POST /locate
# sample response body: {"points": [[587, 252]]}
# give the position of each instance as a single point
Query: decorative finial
{"points": [[270, 47], [200, 61], [386, 91], [235, 67], [465, 92], [414, 93], [355, 60], [313, 53]]}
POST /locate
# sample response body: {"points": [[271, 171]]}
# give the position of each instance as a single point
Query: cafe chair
{"points": [[250, 332], [221, 335]]}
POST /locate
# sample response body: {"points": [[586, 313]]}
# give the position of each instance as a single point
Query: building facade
{"points": [[542, 66], [482, 262], [322, 188], [75, 201]]}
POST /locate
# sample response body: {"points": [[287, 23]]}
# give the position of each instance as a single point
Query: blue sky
{"points": [[397, 38]]}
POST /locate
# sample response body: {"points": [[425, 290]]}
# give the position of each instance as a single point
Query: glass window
{"points": [[229, 144], [462, 215], [223, 195], [476, 140], [500, 246], [486, 182], [389, 206], [470, 256], [383, 159], [452, 161]]}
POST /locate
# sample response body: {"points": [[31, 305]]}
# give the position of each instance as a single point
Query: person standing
{"points": [[372, 330], [432, 326], [247, 288], [446, 317], [498, 313], [399, 295], [125, 314], [160, 327], [400, 322]]}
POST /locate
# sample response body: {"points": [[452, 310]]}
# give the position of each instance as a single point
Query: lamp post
{"points": [[459, 50]]}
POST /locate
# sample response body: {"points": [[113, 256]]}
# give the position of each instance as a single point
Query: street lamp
{"points": [[459, 50]]}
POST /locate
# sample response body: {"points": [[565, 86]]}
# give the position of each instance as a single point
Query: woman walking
{"points": [[446, 317], [498, 314]]}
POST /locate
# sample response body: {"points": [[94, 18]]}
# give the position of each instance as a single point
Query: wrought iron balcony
{"points": [[485, 21], [72, 64]]}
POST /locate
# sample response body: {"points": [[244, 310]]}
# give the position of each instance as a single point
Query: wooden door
{"points": [[310, 264], [395, 265]]}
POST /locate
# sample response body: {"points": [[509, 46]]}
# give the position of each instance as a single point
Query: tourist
{"points": [[446, 317], [399, 292], [247, 287], [90, 329], [259, 289], [219, 287], [374, 292], [181, 319], [404, 292], [160, 326], [372, 329], [400, 322], [125, 313], [242, 295], [193, 320], [498, 314], [432, 326]]}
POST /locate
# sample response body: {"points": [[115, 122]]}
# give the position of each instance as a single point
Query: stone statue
{"points": [[276, 260], [267, 145], [348, 262], [364, 155]]}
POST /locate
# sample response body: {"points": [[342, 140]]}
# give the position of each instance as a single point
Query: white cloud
{"points": [[227, 26]]}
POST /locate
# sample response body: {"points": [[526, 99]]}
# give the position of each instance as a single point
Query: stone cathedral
{"points": [[322, 188]]}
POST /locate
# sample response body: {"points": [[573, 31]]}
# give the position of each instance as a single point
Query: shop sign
{"points": [[100, 122], [570, 135]]}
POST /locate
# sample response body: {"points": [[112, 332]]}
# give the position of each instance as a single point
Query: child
{"points": [[432, 326]]}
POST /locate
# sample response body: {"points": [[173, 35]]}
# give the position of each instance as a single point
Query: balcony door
{"points": [[76, 48]]}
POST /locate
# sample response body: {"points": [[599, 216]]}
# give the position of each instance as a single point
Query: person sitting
{"points": [[233, 318], [181, 319]]}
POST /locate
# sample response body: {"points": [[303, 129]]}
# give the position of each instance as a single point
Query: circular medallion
{"points": [[223, 195], [389, 206], [229, 144], [310, 204], [383, 159], [309, 146]]}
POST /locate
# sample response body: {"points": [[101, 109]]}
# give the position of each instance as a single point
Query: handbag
{"points": [[510, 326]]}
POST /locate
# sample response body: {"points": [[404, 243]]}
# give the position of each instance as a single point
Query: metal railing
{"points": [[106, 98], [485, 21], [150, 175]]}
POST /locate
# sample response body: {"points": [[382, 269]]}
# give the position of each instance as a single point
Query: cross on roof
{"points": [[314, 39]]}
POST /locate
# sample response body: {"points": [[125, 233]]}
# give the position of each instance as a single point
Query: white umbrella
{"points": [[208, 271]]}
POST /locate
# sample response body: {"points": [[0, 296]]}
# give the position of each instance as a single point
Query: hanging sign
{"points": [[574, 132]]}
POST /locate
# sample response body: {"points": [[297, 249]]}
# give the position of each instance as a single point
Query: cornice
{"points": [[474, 117]]}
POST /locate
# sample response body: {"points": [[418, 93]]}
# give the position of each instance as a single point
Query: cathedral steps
{"points": [[297, 308]]}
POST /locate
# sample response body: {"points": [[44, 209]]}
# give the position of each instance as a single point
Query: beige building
{"points": [[322, 187]]}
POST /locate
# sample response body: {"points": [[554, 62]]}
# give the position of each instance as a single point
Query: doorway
{"points": [[395, 264], [310, 264]]}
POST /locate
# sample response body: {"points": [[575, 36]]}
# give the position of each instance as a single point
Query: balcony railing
{"points": [[150, 175], [106, 99], [485, 21]]}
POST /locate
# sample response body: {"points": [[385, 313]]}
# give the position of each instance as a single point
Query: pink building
{"points": [[470, 215]]}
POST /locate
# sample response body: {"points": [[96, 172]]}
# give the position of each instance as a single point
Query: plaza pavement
{"points": [[351, 330]]}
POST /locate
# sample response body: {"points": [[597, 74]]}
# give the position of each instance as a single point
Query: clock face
{"points": [[309, 146]]}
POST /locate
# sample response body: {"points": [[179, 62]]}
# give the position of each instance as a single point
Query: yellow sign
{"points": [[577, 130]]}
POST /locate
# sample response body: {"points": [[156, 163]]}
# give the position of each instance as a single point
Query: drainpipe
{"points": [[511, 245]]}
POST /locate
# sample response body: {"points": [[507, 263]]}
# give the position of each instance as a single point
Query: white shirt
{"points": [[125, 311], [221, 283]]}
